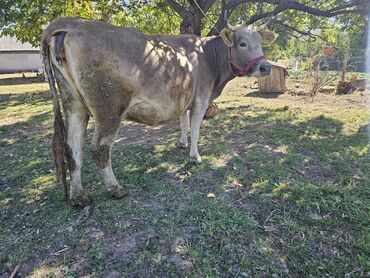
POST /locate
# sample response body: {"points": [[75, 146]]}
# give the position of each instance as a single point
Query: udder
{"points": [[149, 114]]}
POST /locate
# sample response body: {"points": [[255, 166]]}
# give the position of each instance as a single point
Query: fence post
{"points": [[344, 67]]}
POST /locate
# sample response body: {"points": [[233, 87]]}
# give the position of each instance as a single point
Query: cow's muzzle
{"points": [[262, 69]]}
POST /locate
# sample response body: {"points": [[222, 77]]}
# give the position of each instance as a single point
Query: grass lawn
{"points": [[291, 180]]}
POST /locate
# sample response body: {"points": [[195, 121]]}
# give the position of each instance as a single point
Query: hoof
{"points": [[118, 192], [195, 160], [80, 200], [182, 145]]}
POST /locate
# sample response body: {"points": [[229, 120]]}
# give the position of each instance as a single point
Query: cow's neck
{"points": [[216, 53]]}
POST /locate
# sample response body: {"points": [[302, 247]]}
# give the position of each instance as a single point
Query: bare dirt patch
{"points": [[136, 134]]}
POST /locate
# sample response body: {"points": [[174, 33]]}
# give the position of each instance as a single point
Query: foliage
{"points": [[25, 18], [152, 17]]}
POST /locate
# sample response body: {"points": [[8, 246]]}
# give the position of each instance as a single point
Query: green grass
{"points": [[291, 180]]}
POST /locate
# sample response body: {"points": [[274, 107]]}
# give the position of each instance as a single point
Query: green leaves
{"points": [[25, 18]]}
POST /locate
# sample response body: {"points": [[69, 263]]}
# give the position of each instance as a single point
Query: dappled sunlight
{"points": [[280, 189], [49, 271], [232, 184], [261, 184], [4, 203], [9, 141], [23, 107], [19, 119], [283, 149], [220, 161], [164, 166], [313, 137], [23, 88], [158, 149], [37, 188], [263, 247], [360, 150]]}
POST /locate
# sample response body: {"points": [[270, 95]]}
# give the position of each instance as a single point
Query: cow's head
{"points": [[245, 48]]}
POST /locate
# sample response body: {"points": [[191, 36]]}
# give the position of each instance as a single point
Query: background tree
{"points": [[25, 18], [287, 13]]}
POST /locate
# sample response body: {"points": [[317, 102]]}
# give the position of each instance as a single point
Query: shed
{"points": [[276, 81], [18, 57]]}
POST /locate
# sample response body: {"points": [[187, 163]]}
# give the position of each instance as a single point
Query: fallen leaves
{"points": [[315, 216], [269, 229]]}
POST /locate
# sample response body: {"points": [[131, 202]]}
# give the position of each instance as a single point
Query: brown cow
{"points": [[113, 73]]}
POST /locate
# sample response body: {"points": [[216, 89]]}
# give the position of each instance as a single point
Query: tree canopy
{"points": [[25, 18]]}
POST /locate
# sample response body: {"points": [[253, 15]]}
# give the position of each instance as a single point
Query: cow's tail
{"points": [[59, 139]]}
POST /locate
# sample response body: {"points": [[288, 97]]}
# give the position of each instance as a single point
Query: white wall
{"points": [[20, 62], [11, 43], [16, 60]]}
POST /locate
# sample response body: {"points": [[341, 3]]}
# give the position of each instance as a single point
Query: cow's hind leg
{"points": [[184, 124], [77, 119], [106, 131]]}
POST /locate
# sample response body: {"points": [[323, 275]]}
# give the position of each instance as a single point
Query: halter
{"points": [[243, 71]]}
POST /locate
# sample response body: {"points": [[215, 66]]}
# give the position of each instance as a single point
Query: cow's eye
{"points": [[243, 44]]}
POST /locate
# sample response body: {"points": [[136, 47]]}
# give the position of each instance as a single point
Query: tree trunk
{"points": [[191, 24], [197, 24], [186, 26]]}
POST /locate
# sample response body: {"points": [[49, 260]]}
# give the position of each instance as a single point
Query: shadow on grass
{"points": [[265, 170], [21, 80], [258, 94], [31, 99]]}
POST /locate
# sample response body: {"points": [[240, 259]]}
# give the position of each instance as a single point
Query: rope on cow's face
{"points": [[244, 71]]}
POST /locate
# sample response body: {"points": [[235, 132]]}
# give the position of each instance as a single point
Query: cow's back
{"points": [[124, 66]]}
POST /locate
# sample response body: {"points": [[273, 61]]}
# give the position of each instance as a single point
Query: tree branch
{"points": [[207, 5], [178, 8], [283, 6], [220, 24], [279, 6], [287, 27], [353, 3], [325, 13]]}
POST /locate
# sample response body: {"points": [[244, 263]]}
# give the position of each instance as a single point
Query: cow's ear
{"points": [[227, 36], [268, 37]]}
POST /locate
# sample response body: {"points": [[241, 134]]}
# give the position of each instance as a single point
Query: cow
{"points": [[116, 73]]}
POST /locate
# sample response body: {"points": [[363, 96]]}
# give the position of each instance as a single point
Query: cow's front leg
{"points": [[197, 114], [184, 124]]}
